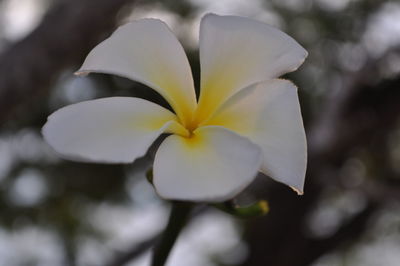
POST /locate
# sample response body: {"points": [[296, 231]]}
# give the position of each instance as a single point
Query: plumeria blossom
{"points": [[245, 121]]}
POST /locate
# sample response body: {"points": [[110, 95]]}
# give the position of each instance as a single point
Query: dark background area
{"points": [[56, 212]]}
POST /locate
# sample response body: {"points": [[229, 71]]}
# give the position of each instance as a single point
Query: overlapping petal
{"points": [[236, 52], [110, 130], [213, 165], [269, 114], [147, 51]]}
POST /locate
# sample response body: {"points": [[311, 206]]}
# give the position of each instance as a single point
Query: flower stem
{"points": [[179, 215]]}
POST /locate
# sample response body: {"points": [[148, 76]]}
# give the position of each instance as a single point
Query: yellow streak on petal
{"points": [[234, 120], [228, 121], [168, 121], [183, 104], [195, 142], [215, 91], [211, 98], [176, 128]]}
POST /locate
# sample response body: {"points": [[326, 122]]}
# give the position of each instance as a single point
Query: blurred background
{"points": [[55, 212]]}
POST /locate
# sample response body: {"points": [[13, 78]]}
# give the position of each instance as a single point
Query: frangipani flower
{"points": [[245, 121]]}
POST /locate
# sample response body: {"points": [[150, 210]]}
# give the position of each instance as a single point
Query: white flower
{"points": [[246, 120]]}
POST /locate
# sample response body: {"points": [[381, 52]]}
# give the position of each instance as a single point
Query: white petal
{"points": [[146, 51], [236, 52], [269, 114], [110, 130], [214, 165]]}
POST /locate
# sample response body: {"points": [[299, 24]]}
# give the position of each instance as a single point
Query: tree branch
{"points": [[67, 33]]}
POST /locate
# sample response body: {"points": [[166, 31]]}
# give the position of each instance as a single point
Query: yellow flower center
{"points": [[186, 128], [191, 119]]}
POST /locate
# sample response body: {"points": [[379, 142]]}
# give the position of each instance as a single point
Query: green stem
{"points": [[179, 215], [255, 209]]}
